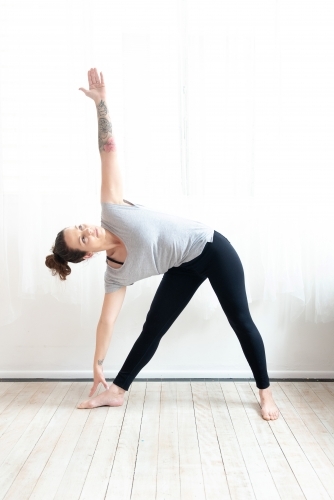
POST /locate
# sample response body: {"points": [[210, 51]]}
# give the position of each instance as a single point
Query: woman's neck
{"points": [[112, 241]]}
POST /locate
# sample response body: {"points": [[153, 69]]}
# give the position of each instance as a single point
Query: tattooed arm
{"points": [[112, 305], [111, 187]]}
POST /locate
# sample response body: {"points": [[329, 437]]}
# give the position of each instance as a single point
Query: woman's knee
{"points": [[242, 323]]}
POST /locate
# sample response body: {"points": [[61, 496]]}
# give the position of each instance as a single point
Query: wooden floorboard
{"points": [[60, 457], [191, 473], [187, 440], [145, 475], [122, 473], [214, 475], [258, 471], [281, 472], [35, 463], [168, 472], [238, 479]]}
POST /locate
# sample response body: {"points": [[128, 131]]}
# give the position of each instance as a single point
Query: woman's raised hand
{"points": [[97, 90]]}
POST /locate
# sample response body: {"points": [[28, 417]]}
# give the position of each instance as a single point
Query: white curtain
{"points": [[222, 111]]}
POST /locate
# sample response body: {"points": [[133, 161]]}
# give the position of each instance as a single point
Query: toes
{"points": [[265, 416], [270, 415], [273, 415], [84, 405]]}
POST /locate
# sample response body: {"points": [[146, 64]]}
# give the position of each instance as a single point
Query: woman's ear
{"points": [[88, 255]]}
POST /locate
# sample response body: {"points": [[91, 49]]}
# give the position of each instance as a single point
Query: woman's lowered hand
{"points": [[98, 379]]}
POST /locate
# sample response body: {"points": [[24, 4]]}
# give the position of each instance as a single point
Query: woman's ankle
{"points": [[265, 392], [116, 390]]}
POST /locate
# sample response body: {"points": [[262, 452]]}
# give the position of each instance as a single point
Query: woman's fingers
{"points": [[93, 389], [96, 385], [97, 79], [92, 71], [94, 79], [90, 81]]}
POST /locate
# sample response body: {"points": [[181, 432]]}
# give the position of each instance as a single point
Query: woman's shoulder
{"points": [[110, 212], [115, 206]]}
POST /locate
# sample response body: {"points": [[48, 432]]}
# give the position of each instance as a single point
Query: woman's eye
{"points": [[80, 227]]}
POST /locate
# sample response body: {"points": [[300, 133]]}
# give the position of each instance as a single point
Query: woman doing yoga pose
{"points": [[140, 242]]}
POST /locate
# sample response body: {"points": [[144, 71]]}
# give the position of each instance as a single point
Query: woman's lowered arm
{"points": [[112, 305], [111, 186]]}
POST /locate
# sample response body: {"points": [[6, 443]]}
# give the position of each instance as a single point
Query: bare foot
{"points": [[113, 396], [269, 410]]}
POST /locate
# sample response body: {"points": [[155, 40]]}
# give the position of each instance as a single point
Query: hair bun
{"points": [[58, 266], [58, 258]]}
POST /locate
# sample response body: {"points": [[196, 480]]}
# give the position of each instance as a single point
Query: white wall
{"points": [[49, 341], [246, 104]]}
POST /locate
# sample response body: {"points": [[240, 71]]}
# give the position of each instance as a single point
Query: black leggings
{"points": [[221, 264]]}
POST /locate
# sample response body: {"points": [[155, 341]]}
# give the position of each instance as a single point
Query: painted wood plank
{"points": [[236, 472], [16, 405], [97, 479], [323, 394], [329, 386], [317, 405], [311, 420], [76, 471], [4, 386], [57, 463], [28, 476], [285, 481], [122, 473], [260, 476], [145, 476], [301, 467], [20, 423], [168, 474], [19, 454], [316, 456], [214, 476], [10, 393], [191, 476]]}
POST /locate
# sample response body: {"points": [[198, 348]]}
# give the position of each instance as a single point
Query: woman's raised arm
{"points": [[111, 187]]}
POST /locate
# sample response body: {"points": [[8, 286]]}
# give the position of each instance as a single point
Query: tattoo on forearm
{"points": [[102, 109], [106, 141], [104, 127], [100, 361]]}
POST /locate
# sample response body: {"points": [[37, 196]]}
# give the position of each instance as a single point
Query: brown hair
{"points": [[62, 254]]}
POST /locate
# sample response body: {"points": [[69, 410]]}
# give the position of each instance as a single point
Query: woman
{"points": [[139, 243]]}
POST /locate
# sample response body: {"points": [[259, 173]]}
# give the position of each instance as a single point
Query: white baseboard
{"points": [[87, 374]]}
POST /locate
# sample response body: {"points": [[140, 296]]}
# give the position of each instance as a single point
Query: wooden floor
{"points": [[170, 440]]}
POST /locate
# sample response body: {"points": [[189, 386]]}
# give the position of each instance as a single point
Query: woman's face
{"points": [[85, 237]]}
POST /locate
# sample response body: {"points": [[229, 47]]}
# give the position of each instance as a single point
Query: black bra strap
{"points": [[113, 260]]}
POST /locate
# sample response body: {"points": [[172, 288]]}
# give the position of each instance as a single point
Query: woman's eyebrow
{"points": [[79, 236]]}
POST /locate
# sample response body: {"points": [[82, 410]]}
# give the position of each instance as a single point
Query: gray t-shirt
{"points": [[154, 241]]}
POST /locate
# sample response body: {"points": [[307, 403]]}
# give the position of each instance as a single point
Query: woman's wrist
{"points": [[98, 363], [99, 100]]}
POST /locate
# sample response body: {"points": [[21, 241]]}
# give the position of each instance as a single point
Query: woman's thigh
{"points": [[173, 294], [226, 276]]}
